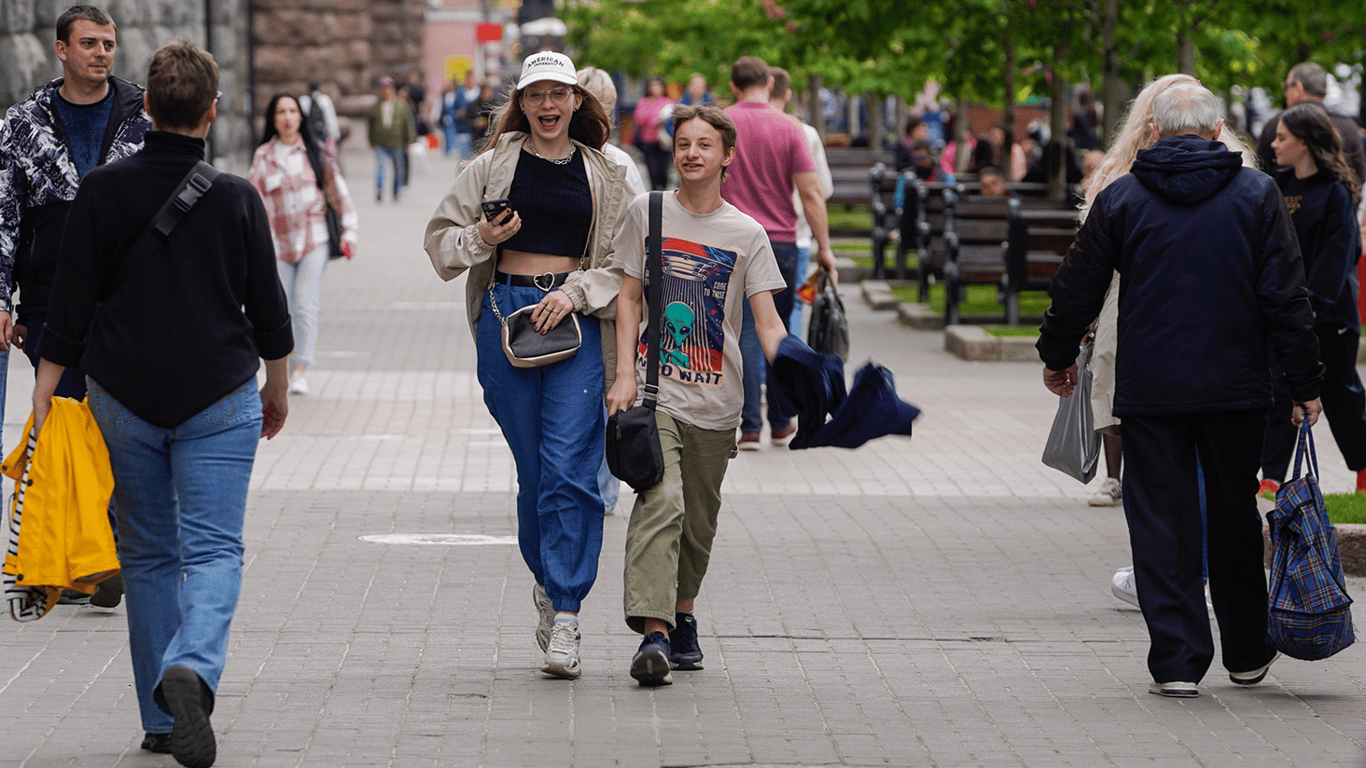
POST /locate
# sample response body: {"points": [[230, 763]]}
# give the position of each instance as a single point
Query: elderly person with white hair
{"points": [[1212, 285]]}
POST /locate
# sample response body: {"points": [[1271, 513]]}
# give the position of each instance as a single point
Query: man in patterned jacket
{"points": [[48, 142]]}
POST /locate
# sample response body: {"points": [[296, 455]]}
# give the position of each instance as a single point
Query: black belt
{"points": [[545, 281]]}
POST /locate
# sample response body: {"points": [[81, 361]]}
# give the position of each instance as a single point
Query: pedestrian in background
{"points": [[478, 114], [298, 178], [172, 355], [48, 143], [599, 83], [321, 115], [697, 94], [771, 159], [1321, 193], [550, 251], [647, 120], [390, 129], [1212, 278], [673, 524]]}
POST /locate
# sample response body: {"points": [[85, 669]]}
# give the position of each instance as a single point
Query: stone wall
{"points": [[344, 45], [28, 59]]}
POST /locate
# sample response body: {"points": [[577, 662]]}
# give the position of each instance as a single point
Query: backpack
{"points": [[1309, 612], [316, 119]]}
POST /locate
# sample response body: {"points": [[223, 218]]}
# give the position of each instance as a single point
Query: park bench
{"points": [[1014, 243], [849, 171]]}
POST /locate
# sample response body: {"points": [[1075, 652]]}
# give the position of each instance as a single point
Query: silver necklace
{"points": [[556, 160]]}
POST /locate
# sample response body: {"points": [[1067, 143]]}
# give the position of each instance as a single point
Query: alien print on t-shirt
{"points": [[692, 339]]}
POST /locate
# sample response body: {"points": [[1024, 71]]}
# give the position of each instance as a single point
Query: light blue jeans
{"points": [[554, 420], [303, 284], [180, 495], [390, 156]]}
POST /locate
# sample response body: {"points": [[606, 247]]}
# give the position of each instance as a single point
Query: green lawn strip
{"points": [[981, 299], [1345, 507], [1031, 331]]}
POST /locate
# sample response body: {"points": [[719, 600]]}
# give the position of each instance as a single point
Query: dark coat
{"points": [[1210, 278]]}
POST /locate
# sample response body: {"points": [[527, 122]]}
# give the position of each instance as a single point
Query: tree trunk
{"points": [[813, 88], [1008, 112], [962, 155], [878, 128], [1112, 96], [1185, 53], [1057, 142]]}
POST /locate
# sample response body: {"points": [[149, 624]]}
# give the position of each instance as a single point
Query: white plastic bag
{"points": [[1073, 446]]}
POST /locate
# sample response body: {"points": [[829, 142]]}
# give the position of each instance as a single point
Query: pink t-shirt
{"points": [[769, 151], [647, 116]]}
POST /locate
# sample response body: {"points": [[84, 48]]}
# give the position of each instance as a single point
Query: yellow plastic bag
{"points": [[59, 519]]}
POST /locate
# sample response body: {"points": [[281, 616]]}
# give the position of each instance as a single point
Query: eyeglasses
{"points": [[537, 98]]}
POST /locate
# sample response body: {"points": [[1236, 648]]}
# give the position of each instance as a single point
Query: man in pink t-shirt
{"points": [[771, 159]]}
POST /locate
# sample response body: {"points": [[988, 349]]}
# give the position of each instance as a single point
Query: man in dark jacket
{"points": [[48, 143], [1210, 279]]}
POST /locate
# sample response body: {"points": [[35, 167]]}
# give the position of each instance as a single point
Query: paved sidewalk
{"points": [[935, 601]]}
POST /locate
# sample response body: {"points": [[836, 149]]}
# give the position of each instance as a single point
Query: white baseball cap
{"points": [[547, 65]]}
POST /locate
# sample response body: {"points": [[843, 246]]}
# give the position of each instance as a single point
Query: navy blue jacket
{"points": [[1210, 279]]}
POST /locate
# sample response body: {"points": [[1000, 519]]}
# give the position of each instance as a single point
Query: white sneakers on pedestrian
{"points": [[1123, 586], [1175, 689], [562, 659], [545, 615], [1109, 495], [1256, 675], [298, 384]]}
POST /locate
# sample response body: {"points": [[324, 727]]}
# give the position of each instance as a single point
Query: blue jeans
{"points": [[752, 352], [181, 495], [609, 487], [393, 156], [554, 420]]}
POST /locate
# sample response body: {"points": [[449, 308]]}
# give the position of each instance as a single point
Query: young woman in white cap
{"points": [[550, 250]]}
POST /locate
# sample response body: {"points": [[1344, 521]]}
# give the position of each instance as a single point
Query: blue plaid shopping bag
{"points": [[1310, 614]]}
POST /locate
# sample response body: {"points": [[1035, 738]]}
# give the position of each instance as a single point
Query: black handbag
{"points": [[334, 233], [633, 452], [829, 331], [527, 347]]}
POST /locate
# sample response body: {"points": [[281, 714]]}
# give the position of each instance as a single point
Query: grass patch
{"points": [[1012, 330], [981, 299], [856, 217], [1345, 507]]}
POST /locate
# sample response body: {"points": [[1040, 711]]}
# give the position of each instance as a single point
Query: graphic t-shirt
{"points": [[85, 128], [711, 264]]}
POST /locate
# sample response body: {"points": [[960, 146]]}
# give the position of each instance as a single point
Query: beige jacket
{"points": [[453, 243]]}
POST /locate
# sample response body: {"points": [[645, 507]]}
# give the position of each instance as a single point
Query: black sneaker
{"points": [[73, 597], [650, 666], [192, 740], [685, 654], [159, 743], [108, 593]]}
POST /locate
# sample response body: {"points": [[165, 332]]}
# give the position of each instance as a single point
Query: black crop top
{"points": [[556, 206]]}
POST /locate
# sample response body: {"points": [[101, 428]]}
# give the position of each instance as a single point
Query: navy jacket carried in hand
{"points": [[1210, 279]]}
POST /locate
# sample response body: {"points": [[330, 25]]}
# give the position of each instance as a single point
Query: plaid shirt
{"points": [[294, 203]]}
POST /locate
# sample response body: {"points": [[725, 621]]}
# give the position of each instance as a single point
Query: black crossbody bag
{"points": [[633, 452]]}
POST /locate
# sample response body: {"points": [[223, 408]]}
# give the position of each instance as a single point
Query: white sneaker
{"points": [[562, 660], [1175, 689], [545, 611], [1109, 495], [1122, 585], [298, 385]]}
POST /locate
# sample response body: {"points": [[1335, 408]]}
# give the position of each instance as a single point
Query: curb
{"points": [[972, 343], [1352, 544]]}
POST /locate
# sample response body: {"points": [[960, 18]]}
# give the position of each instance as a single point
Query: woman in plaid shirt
{"points": [[296, 178]]}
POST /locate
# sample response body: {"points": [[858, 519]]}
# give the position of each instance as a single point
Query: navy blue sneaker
{"points": [[650, 666], [686, 654]]}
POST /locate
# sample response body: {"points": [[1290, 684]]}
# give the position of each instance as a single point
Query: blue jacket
{"points": [[1211, 278]]}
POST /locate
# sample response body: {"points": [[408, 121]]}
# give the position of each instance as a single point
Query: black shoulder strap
{"points": [[654, 275], [186, 194]]}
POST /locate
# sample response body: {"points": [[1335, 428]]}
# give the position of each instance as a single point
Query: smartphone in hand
{"points": [[494, 209]]}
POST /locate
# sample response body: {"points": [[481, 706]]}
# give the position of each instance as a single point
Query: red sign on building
{"points": [[488, 33]]}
